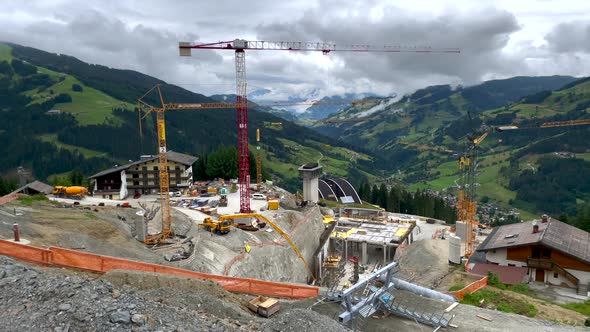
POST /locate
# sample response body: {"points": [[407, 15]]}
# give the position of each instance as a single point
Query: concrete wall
{"points": [[499, 257], [559, 281]]}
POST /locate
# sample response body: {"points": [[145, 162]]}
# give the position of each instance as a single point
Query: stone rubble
{"points": [[47, 299]]}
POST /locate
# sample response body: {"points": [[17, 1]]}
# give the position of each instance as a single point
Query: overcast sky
{"points": [[498, 39]]}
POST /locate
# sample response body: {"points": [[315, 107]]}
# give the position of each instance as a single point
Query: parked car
{"points": [[259, 196], [175, 194]]}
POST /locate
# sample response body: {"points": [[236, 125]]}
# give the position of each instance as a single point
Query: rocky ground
{"points": [[42, 299]]}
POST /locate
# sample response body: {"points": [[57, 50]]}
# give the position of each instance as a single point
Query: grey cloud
{"points": [[570, 37], [480, 35]]}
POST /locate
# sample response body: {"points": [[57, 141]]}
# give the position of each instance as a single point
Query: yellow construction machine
{"points": [[222, 226]]}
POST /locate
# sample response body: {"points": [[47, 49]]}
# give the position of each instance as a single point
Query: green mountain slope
{"points": [[98, 128], [423, 134]]}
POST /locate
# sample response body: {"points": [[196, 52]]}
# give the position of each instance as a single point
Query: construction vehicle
{"points": [[223, 197], [217, 227], [222, 226], [75, 192]]}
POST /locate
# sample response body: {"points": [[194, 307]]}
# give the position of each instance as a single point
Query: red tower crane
{"points": [[239, 46]]}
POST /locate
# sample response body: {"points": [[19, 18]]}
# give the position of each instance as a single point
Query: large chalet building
{"points": [[142, 176], [548, 250]]}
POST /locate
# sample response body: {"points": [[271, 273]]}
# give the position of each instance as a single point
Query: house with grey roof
{"points": [[143, 176], [553, 252], [34, 188]]}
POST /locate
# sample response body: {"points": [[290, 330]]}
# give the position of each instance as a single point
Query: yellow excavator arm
{"points": [[276, 228]]}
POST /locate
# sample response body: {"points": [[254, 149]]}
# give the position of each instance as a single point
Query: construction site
{"points": [[239, 256]]}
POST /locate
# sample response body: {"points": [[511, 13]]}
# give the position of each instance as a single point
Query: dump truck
{"points": [[75, 192]]}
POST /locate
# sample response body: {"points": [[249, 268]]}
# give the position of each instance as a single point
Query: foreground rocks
{"points": [[58, 300], [39, 300]]}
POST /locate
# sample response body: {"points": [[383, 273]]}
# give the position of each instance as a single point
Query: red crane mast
{"points": [[239, 46]]}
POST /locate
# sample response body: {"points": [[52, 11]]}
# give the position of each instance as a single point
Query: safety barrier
{"points": [[25, 252], [101, 264], [472, 287]]}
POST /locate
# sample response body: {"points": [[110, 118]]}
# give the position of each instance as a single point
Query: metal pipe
{"points": [[423, 291], [16, 233]]}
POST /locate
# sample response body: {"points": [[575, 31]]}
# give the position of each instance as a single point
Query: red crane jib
{"points": [[239, 45]]}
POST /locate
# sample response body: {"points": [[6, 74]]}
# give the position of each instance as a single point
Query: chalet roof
{"points": [[180, 158], [36, 186], [554, 233]]}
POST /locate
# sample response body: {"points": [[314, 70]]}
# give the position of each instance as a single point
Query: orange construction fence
{"points": [[101, 264], [472, 287]]}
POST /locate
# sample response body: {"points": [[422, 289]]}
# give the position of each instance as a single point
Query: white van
{"points": [[259, 196]]}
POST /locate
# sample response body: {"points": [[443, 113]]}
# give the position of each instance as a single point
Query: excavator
{"points": [[225, 222]]}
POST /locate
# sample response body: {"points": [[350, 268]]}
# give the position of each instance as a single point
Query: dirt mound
{"points": [[424, 262]]}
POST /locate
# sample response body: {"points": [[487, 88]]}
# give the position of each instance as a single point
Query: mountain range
{"points": [[60, 114]]}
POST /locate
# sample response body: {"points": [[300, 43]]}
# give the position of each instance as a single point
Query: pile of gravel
{"points": [[302, 320], [46, 299], [38, 300]]}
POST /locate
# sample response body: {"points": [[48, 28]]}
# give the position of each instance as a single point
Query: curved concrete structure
{"points": [[333, 189], [326, 191], [348, 189]]}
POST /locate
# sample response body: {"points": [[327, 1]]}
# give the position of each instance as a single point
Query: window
{"points": [[555, 275], [546, 253], [536, 253]]}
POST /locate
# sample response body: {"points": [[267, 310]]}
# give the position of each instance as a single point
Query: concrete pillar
{"points": [[311, 174], [364, 253], [384, 254]]}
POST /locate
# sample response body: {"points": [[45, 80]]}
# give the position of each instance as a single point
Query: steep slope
{"points": [[97, 118]]}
